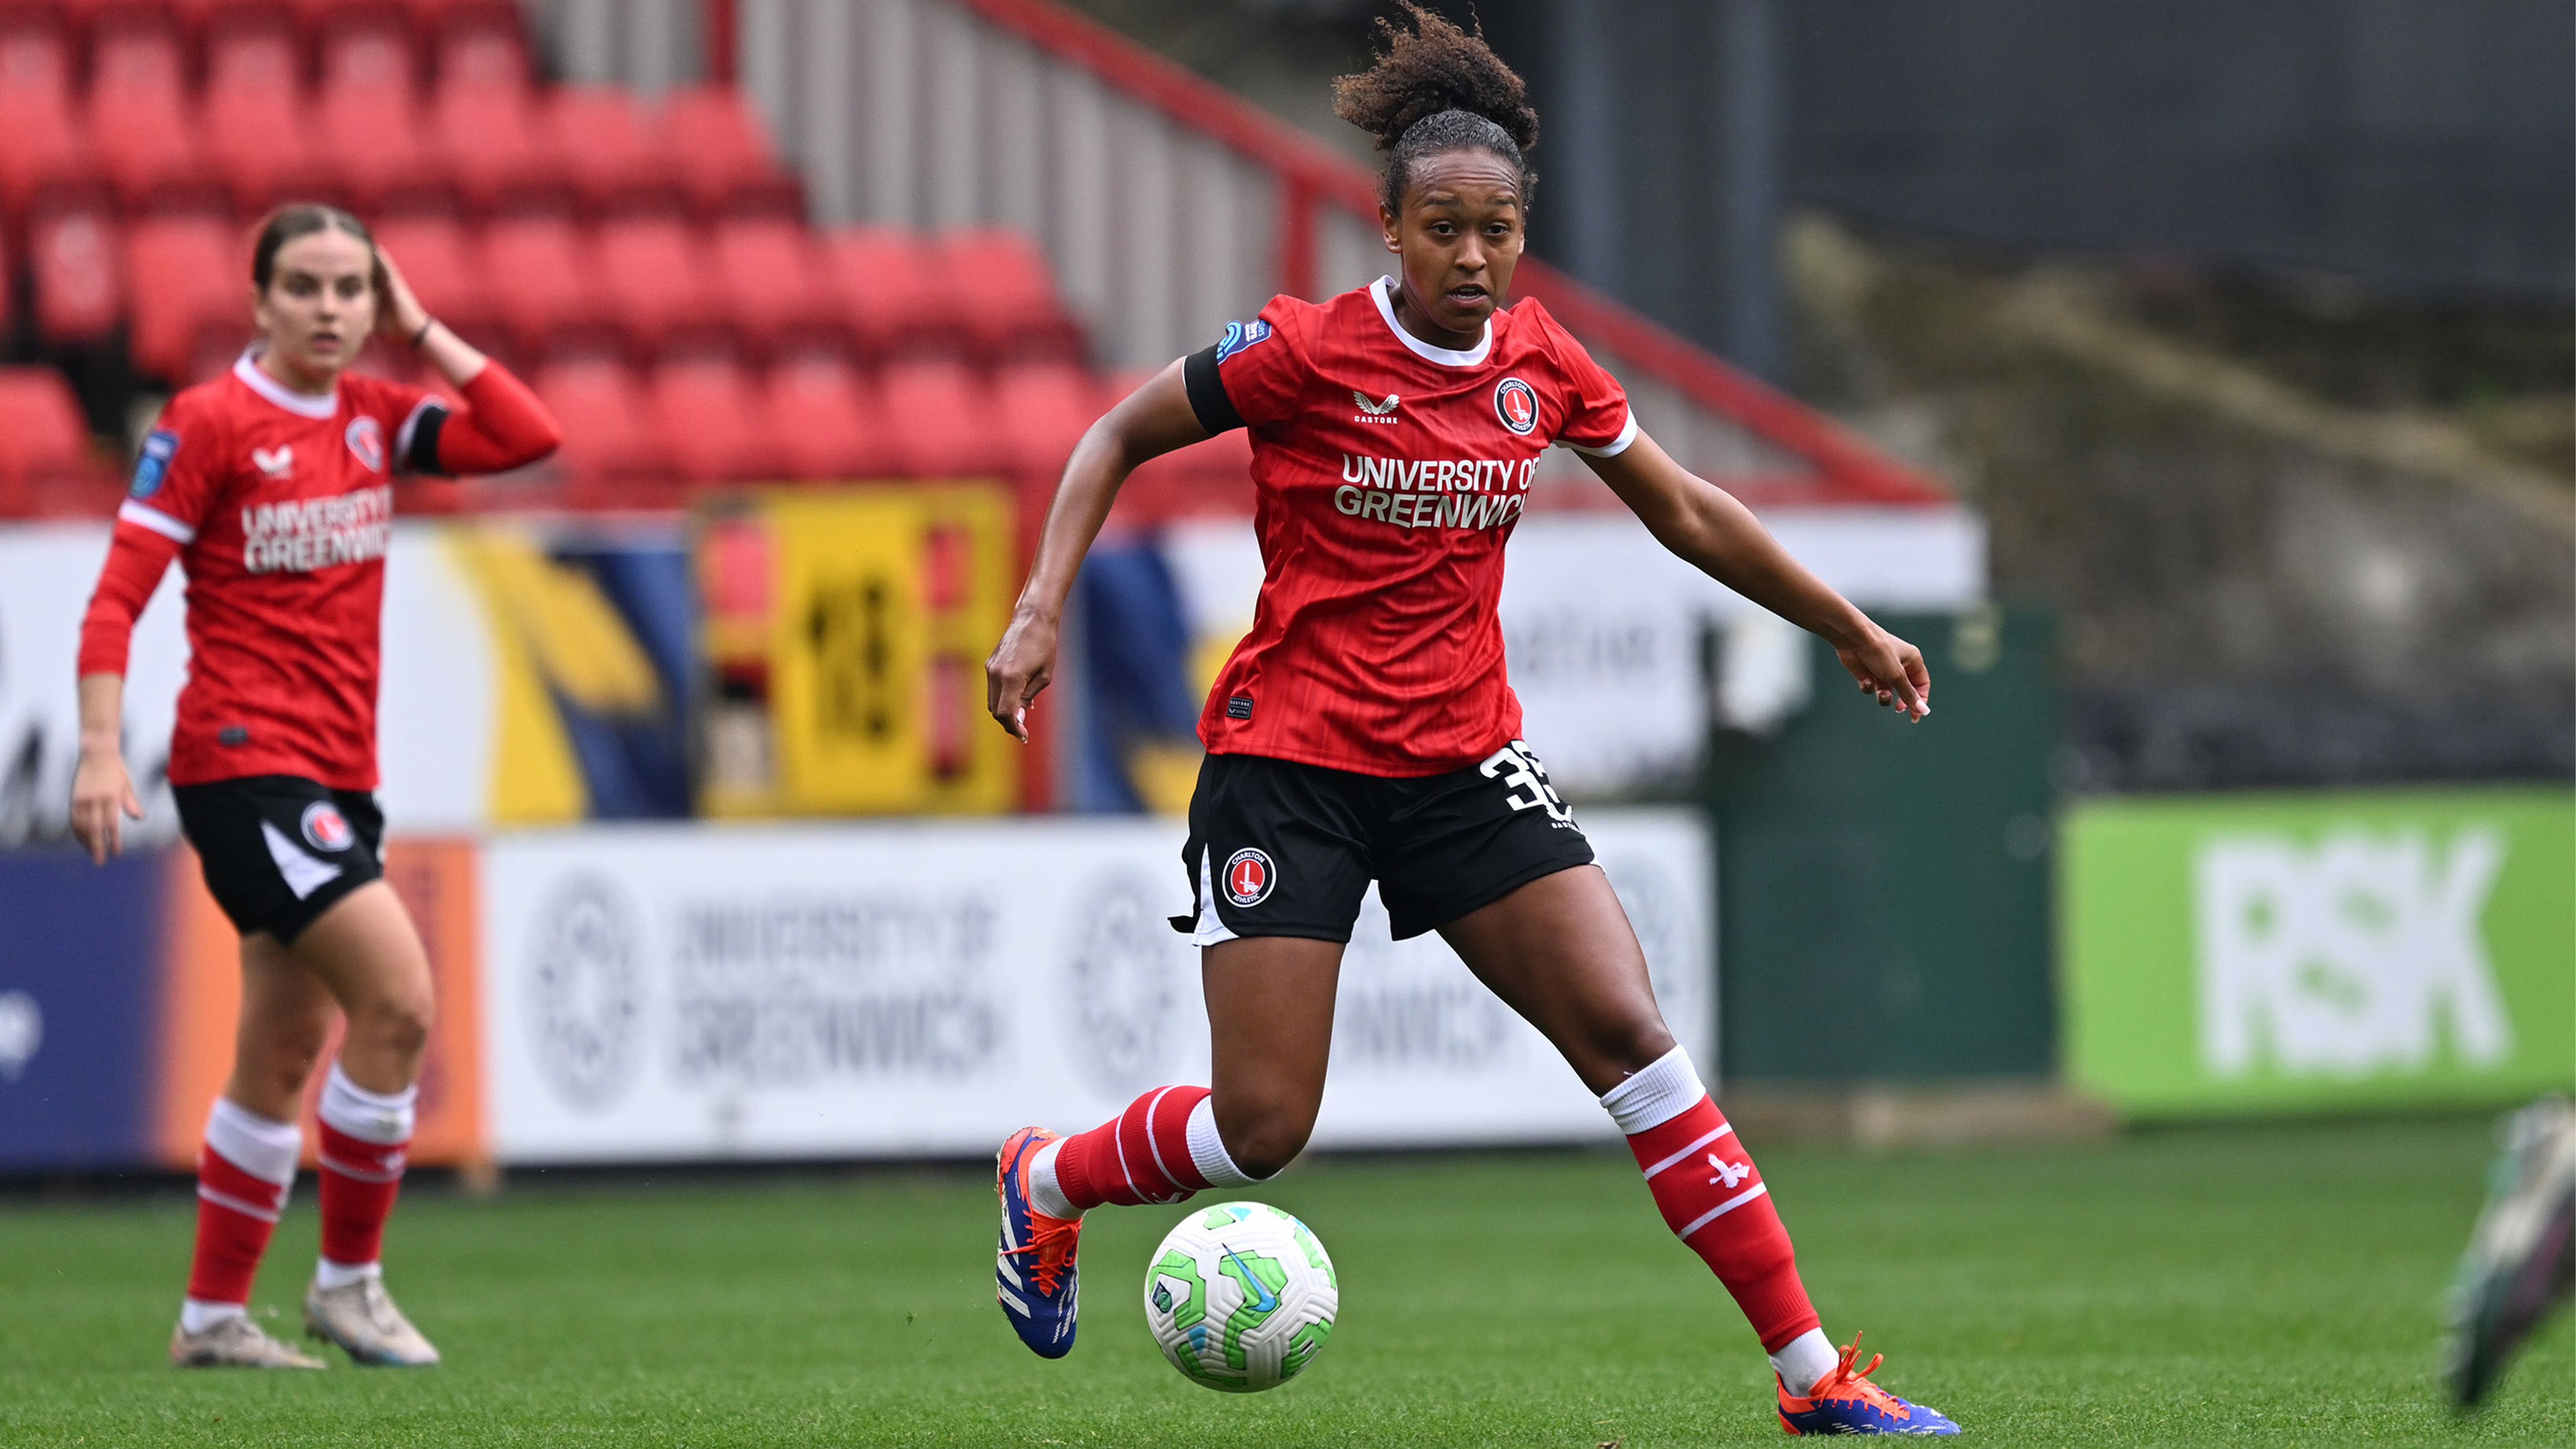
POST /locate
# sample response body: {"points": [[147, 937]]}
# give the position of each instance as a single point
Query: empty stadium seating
{"points": [[645, 262], [42, 437]]}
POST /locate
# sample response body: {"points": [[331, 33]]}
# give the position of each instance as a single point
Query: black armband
{"points": [[421, 458], [1207, 393]]}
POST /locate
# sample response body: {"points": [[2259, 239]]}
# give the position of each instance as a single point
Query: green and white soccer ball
{"points": [[1241, 1296]]}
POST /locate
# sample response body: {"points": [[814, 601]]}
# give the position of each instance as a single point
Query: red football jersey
{"points": [[1389, 472], [282, 504]]}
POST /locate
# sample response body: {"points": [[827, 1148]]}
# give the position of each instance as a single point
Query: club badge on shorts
{"points": [[1516, 403], [1248, 877], [325, 829]]}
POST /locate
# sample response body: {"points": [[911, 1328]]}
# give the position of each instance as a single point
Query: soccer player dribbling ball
{"points": [[1364, 728], [273, 486]]}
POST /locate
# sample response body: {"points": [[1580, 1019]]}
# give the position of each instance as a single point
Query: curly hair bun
{"points": [[1431, 68]]}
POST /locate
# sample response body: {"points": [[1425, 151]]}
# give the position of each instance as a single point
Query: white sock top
{"points": [[382, 1117], [196, 1315], [328, 1274], [1207, 1149], [1804, 1359], [1665, 1089], [261, 1146]]}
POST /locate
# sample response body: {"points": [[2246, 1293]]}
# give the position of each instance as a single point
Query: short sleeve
{"points": [[407, 421], [1597, 420], [1260, 365], [177, 473]]}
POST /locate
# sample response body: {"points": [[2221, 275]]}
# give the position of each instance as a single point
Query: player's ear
{"points": [[1388, 223]]}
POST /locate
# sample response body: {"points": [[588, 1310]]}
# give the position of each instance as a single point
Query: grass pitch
{"points": [[2241, 1285]]}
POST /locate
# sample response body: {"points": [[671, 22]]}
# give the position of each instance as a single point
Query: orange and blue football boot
{"points": [[1846, 1402], [1033, 1276]]}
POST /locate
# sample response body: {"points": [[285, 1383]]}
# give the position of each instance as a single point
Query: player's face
{"points": [[320, 304], [1460, 237]]}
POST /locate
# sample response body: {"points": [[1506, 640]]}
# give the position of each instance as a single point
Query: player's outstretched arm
{"points": [[1705, 525], [1149, 422]]}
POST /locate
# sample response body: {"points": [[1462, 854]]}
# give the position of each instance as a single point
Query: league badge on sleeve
{"points": [[153, 464], [1240, 335], [1516, 403]]}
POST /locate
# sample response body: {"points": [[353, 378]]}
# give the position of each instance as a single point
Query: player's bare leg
{"points": [[1270, 1019], [248, 1162], [365, 951], [1560, 951]]}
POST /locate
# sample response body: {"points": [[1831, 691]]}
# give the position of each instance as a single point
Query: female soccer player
{"points": [[273, 486], [1364, 728]]}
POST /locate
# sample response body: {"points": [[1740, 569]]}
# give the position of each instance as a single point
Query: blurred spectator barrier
{"points": [[1887, 885], [534, 673], [677, 993], [845, 639], [2306, 952]]}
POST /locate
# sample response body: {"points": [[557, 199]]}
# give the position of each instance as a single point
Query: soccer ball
{"points": [[1241, 1296]]}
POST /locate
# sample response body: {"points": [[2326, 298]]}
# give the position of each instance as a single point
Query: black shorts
{"points": [[279, 850], [1283, 849]]}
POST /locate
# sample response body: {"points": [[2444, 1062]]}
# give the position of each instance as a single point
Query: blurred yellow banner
{"points": [[846, 631]]}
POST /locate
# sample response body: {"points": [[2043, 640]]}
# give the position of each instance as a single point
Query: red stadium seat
{"points": [[725, 160], [1045, 409], [893, 290], [657, 278], [942, 419], [773, 284], [258, 131], [41, 140], [438, 261], [76, 256], [609, 442], [367, 46], [599, 140], [487, 138], [139, 118], [191, 294], [480, 50], [542, 280], [42, 435], [825, 423], [714, 422], [1005, 294], [379, 150]]}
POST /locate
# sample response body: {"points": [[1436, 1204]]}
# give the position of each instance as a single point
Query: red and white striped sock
{"points": [[365, 1138], [1714, 1200], [1163, 1148], [243, 1174]]}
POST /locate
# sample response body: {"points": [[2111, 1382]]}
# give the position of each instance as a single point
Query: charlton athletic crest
{"points": [[325, 829], [367, 440], [1516, 403], [1248, 877]]}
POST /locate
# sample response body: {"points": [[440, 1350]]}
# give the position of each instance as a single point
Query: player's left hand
{"points": [[399, 314], [1891, 670], [1021, 666]]}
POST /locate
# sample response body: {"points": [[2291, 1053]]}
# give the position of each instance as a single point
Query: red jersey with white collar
{"points": [[1389, 472], [282, 504]]}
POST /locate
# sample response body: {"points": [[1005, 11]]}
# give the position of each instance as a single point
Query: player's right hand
{"points": [[100, 790], [1021, 666]]}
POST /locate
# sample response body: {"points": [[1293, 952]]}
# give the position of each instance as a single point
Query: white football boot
{"points": [[362, 1319]]}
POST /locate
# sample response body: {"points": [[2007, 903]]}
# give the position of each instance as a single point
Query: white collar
{"points": [[1382, 292], [302, 404]]}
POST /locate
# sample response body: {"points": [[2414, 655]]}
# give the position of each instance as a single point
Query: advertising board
{"points": [[2315, 952], [920, 988]]}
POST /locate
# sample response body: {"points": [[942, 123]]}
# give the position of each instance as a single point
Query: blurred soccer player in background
{"points": [[2521, 1262], [273, 487], [1364, 729]]}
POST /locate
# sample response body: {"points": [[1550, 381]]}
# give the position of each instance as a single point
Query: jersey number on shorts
{"points": [[1525, 785]]}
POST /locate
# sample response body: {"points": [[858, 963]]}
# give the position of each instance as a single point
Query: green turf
{"points": [[2238, 1286]]}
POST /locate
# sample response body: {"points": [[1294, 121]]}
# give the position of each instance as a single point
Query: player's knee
{"points": [[400, 1022], [1269, 1141], [1622, 1048]]}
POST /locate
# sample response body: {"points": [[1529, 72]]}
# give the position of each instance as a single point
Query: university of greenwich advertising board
{"points": [[665, 993], [2288, 952]]}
